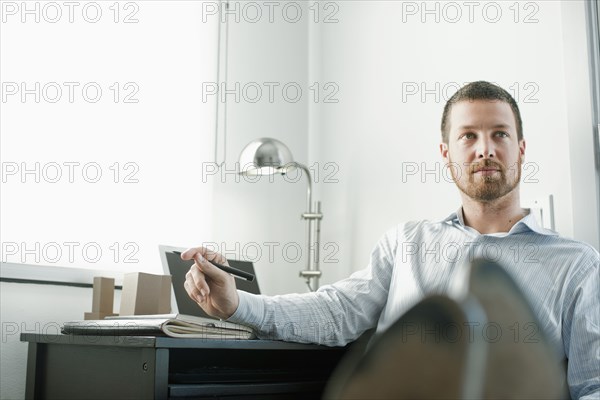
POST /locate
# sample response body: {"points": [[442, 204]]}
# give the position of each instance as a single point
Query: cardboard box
{"points": [[103, 298], [145, 294]]}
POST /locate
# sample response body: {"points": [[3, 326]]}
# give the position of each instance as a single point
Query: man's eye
{"points": [[502, 134], [469, 135]]}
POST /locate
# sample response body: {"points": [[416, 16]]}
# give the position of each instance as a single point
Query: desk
{"points": [[140, 367]]}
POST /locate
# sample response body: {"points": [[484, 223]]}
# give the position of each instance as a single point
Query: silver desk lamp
{"points": [[266, 156]]}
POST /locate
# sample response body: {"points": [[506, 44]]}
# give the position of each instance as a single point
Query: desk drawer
{"points": [[79, 372]]}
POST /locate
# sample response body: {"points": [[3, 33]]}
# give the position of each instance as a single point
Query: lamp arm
{"points": [[309, 204]]}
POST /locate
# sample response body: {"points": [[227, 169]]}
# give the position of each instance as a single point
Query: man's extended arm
{"points": [[334, 315]]}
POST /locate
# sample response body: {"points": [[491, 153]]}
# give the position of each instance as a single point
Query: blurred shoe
{"points": [[423, 355], [521, 363]]}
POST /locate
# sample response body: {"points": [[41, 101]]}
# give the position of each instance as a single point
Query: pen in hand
{"points": [[233, 271]]}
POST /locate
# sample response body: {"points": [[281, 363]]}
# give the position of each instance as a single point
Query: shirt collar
{"points": [[454, 217], [527, 223]]}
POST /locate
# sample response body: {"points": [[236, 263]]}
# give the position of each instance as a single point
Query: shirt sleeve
{"points": [[581, 333], [335, 314]]}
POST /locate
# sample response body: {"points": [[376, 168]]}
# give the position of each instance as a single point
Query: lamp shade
{"points": [[266, 156]]}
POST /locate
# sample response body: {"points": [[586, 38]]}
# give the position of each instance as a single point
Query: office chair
{"points": [[420, 357]]}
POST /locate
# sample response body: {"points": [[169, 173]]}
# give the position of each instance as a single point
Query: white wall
{"points": [[257, 220]]}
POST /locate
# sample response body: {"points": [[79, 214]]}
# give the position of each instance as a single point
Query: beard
{"points": [[486, 188]]}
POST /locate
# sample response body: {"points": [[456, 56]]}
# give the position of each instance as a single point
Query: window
{"points": [[594, 35], [104, 130]]}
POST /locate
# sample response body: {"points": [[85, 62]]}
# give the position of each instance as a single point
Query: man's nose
{"points": [[485, 148]]}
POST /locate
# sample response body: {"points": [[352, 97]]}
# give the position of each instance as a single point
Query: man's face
{"points": [[483, 152]]}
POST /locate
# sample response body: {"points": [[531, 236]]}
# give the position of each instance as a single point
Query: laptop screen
{"points": [[177, 268]]}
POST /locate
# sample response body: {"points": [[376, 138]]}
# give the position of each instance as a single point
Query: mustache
{"points": [[485, 164]]}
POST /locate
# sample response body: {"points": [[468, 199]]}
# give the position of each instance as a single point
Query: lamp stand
{"points": [[313, 216]]}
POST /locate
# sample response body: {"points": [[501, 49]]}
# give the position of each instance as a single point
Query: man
{"points": [[483, 145]]}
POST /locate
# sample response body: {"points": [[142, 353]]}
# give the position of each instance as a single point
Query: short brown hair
{"points": [[481, 90]]}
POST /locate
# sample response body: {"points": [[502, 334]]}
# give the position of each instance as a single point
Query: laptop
{"points": [[176, 267]]}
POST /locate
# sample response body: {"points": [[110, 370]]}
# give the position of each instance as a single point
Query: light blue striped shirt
{"points": [[559, 276]]}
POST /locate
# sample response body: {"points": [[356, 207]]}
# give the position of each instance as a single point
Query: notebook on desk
{"points": [[176, 267]]}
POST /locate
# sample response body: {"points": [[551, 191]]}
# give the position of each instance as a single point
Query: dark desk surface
{"points": [[169, 342]]}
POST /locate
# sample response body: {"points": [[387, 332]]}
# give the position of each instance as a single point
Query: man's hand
{"points": [[212, 289]]}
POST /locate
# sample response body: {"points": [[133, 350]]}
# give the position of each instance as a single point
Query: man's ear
{"points": [[522, 146], [444, 151]]}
